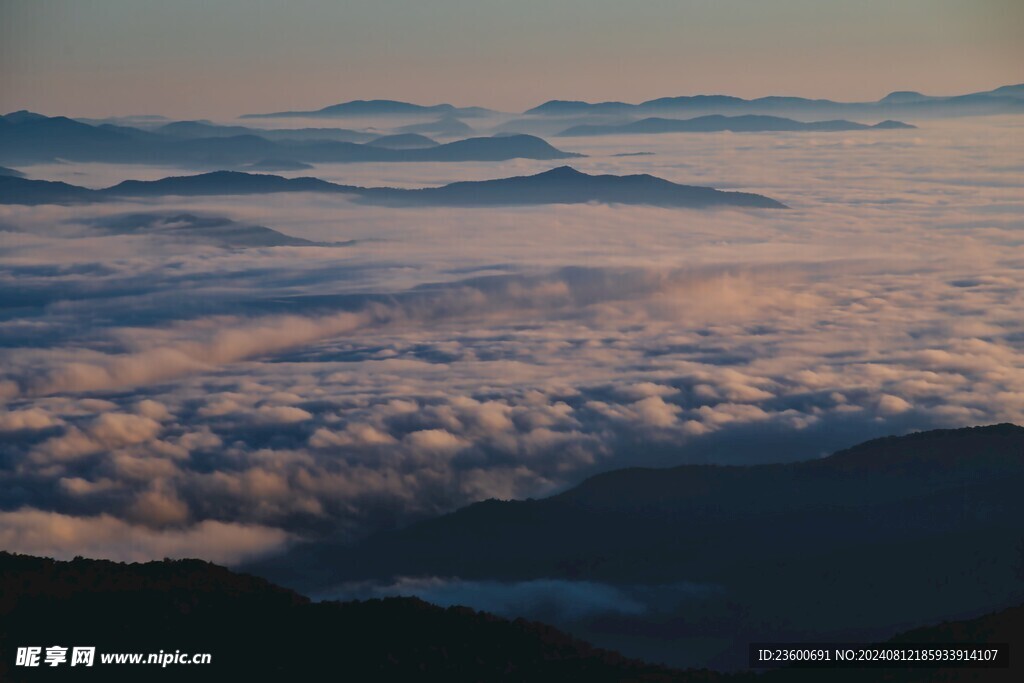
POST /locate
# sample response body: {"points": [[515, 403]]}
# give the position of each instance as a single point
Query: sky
{"points": [[222, 58]]}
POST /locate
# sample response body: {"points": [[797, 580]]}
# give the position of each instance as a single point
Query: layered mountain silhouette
{"points": [[896, 531], [31, 138], [18, 190], [26, 191], [716, 122], [1005, 100], [10, 172], [374, 108], [562, 185], [28, 137], [566, 185], [218, 183]]}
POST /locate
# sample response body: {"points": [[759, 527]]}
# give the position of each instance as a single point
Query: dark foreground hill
{"points": [[862, 544], [703, 522], [562, 185], [1005, 626], [256, 631]]}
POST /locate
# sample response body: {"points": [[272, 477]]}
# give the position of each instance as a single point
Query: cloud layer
{"points": [[164, 399]]}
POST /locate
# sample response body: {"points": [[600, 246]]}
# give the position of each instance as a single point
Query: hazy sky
{"points": [[226, 57]]}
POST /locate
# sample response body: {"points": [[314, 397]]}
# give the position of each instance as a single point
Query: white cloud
{"points": [[892, 405], [435, 440], [50, 534], [455, 355], [30, 418]]}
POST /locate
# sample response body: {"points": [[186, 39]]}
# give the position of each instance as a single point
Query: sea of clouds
{"points": [[171, 398]]}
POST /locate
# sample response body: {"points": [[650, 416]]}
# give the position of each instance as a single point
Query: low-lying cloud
{"points": [[50, 534], [157, 398], [549, 600]]}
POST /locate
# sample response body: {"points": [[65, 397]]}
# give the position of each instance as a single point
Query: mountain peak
{"points": [[903, 96], [889, 124], [22, 116], [1014, 90], [562, 172], [948, 442], [561, 185]]}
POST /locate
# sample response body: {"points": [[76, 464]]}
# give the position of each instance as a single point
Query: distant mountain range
{"points": [[566, 185], [20, 190], [562, 185], [28, 137], [31, 138], [257, 631], [374, 108], [1005, 100], [716, 122], [896, 531]]}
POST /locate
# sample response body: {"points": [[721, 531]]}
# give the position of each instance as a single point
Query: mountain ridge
{"points": [[355, 108], [857, 543], [39, 139], [1004, 99], [838, 470], [752, 123], [562, 185], [199, 607]]}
